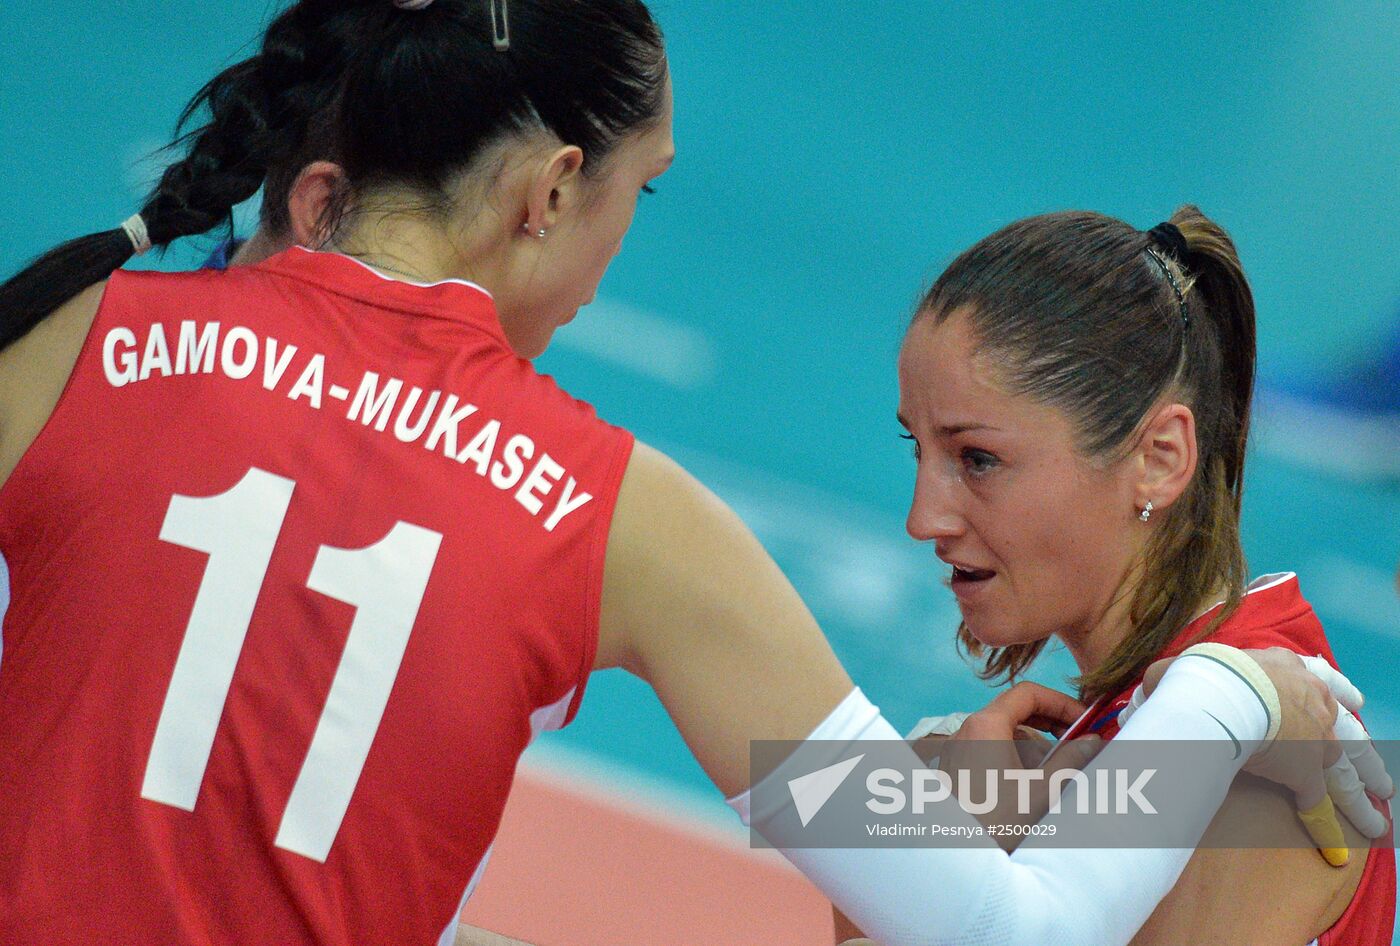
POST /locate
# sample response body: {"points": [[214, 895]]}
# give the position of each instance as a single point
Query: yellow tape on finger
{"points": [[1326, 832]]}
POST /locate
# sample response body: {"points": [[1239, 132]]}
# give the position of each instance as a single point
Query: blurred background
{"points": [[833, 157]]}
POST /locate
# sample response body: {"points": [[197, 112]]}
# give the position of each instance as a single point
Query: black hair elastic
{"points": [[1166, 237], [1169, 238]]}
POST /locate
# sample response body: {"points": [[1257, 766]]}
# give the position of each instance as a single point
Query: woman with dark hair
{"points": [[1078, 395], [297, 558]]}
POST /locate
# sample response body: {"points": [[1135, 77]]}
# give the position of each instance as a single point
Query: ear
{"points": [[310, 200], [555, 189], [1166, 456]]}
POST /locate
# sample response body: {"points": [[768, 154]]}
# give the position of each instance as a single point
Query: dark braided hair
{"points": [[394, 97]]}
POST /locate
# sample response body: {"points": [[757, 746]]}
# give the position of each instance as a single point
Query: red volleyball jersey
{"points": [[1274, 614], [302, 562]]}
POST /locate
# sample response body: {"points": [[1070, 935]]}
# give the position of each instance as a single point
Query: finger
{"points": [[1032, 752], [1311, 790], [1332, 752], [1342, 689], [1370, 767], [1356, 741], [1055, 727], [1078, 753], [1321, 821], [1349, 797], [937, 725], [1025, 700]]}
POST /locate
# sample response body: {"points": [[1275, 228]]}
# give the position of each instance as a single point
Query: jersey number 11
{"points": [[385, 583]]}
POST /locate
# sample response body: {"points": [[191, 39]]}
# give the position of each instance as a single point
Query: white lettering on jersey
{"points": [[273, 366], [384, 583], [445, 427], [437, 413], [228, 358], [542, 478], [127, 373], [506, 472], [157, 354], [375, 405], [404, 428], [196, 355], [4, 599], [481, 447], [311, 380], [567, 504]]}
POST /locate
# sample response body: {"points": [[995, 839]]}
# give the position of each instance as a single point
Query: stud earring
{"points": [[538, 233], [1146, 512]]}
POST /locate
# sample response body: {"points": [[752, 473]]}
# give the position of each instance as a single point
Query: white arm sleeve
{"points": [[1038, 896]]}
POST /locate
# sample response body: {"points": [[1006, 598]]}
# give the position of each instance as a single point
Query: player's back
{"points": [[300, 563]]}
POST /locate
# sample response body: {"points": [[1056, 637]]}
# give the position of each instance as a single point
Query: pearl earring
{"points": [[526, 227], [1146, 512]]}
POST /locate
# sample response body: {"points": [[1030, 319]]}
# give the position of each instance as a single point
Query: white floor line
{"points": [[646, 343]]}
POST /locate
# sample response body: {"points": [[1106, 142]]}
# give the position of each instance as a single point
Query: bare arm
{"points": [[695, 606], [1222, 894], [35, 370]]}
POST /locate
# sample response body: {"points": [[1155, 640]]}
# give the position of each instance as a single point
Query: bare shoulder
{"points": [[35, 370], [668, 536], [694, 605], [656, 488], [1234, 895]]}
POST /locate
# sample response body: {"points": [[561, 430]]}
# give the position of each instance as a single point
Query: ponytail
{"points": [[1198, 552], [57, 276], [223, 166], [1222, 294]]}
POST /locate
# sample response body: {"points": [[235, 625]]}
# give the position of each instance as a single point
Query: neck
{"points": [[402, 245], [417, 249], [263, 245], [259, 247], [1091, 648], [1111, 622]]}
